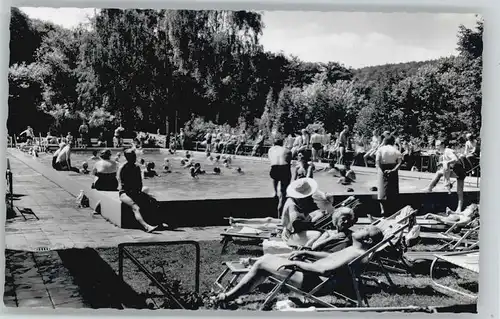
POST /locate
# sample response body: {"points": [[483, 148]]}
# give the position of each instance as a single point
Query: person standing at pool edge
{"points": [[118, 136], [387, 161], [280, 158], [316, 140]]}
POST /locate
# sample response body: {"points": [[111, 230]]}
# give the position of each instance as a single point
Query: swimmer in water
{"points": [[226, 163], [238, 170], [166, 166], [217, 159], [85, 168], [196, 170], [150, 170], [187, 162], [94, 156], [216, 171]]}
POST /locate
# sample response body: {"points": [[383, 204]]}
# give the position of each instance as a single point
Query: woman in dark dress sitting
{"points": [[105, 173]]}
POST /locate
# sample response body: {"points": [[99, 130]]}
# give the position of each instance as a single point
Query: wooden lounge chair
{"points": [[468, 241], [392, 257], [466, 259], [246, 233], [356, 269], [261, 234]]}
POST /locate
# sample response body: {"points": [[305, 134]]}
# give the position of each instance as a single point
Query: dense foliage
{"points": [[207, 68]]}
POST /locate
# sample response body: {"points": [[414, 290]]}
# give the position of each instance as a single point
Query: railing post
{"points": [[120, 262]]}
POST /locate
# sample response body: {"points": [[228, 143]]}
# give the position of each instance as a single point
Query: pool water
{"points": [[253, 183]]}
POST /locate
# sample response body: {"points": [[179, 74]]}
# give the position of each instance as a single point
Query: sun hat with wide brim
{"points": [[302, 188]]}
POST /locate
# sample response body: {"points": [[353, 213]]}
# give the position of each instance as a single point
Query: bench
{"points": [[95, 141], [126, 142]]}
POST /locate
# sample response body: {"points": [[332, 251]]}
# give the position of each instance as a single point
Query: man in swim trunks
{"points": [[316, 142], [307, 275], [84, 133], [280, 158], [208, 142], [344, 144], [118, 136]]}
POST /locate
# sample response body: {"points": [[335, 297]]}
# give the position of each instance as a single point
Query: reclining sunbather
{"points": [[307, 275], [343, 219], [460, 218], [257, 223]]}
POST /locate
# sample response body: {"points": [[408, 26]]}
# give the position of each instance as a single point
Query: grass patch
{"points": [[174, 267]]}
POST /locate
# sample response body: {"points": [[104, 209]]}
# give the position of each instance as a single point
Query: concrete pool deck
{"points": [[62, 225], [211, 211], [35, 277]]}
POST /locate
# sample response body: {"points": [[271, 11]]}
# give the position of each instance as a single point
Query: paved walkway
{"points": [[35, 274], [39, 280], [62, 225]]}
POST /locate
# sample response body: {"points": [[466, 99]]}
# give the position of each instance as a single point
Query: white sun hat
{"points": [[302, 188]]}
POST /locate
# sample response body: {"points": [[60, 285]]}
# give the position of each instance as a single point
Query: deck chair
{"points": [[456, 231], [458, 242], [466, 259], [355, 267], [246, 233], [467, 242], [392, 257], [261, 234]]}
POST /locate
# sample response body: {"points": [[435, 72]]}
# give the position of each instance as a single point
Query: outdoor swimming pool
{"points": [[254, 183]]}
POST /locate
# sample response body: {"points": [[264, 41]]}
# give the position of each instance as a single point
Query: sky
{"points": [[353, 39]]}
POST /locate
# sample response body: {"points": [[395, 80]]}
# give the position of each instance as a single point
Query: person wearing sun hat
{"points": [[298, 225], [105, 172]]}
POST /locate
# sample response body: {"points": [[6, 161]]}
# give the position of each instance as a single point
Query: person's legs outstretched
{"points": [[264, 267], [137, 212]]}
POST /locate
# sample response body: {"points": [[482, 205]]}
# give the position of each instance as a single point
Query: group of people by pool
{"points": [[291, 158], [111, 175], [388, 160]]}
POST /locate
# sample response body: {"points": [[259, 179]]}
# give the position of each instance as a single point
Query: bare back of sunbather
{"points": [[272, 265], [461, 218], [254, 221]]}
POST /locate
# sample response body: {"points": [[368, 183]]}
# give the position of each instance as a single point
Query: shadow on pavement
{"points": [[99, 285]]}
